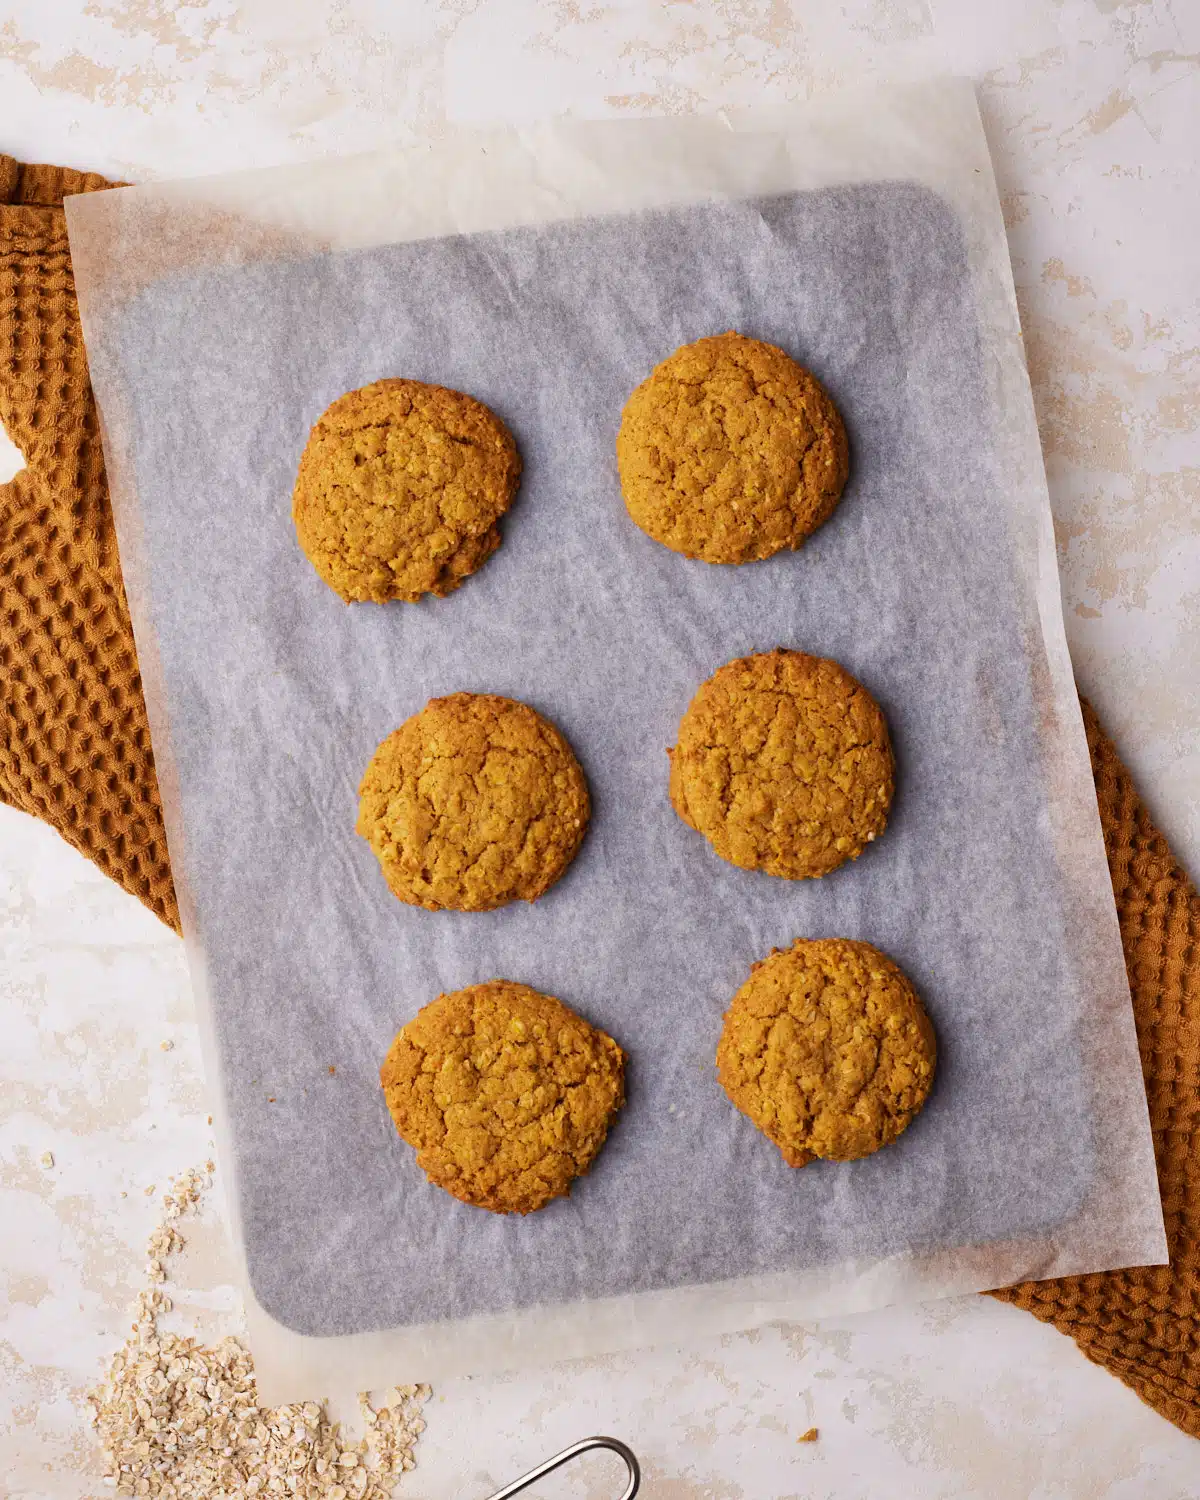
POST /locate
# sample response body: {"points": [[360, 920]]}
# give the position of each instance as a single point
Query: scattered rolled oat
{"points": [[179, 1420], [166, 1046], [47, 1158]]}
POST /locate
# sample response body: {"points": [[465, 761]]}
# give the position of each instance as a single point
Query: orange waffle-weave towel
{"points": [[75, 750], [1144, 1324], [74, 742]]}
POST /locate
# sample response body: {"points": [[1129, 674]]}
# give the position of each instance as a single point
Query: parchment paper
{"points": [[546, 273]]}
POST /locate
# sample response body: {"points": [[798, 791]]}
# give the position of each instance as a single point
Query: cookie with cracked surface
{"points": [[784, 764], [505, 1094], [400, 490], [828, 1050], [730, 451], [473, 802]]}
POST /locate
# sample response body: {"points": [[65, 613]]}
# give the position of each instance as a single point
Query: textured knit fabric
{"points": [[1144, 1324], [74, 742], [75, 750]]}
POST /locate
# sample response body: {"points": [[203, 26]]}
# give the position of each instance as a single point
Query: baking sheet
{"points": [[546, 273]]}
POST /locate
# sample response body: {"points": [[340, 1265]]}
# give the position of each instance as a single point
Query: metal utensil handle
{"points": [[585, 1445]]}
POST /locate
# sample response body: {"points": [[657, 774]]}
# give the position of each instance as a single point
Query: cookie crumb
{"points": [[149, 1191], [332, 1069], [808, 1437]]}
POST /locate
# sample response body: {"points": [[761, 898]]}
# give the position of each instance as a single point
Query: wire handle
{"points": [[585, 1445]]}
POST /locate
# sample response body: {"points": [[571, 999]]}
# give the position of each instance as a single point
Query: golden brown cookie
{"points": [[473, 802], [827, 1048], [783, 764], [505, 1094], [400, 489], [731, 451]]}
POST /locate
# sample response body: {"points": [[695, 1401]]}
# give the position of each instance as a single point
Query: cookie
{"points": [[505, 1094], [730, 451], [827, 1048], [473, 802], [783, 764], [400, 489]]}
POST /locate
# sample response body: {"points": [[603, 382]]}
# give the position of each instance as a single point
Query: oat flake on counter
{"points": [[180, 1420]]}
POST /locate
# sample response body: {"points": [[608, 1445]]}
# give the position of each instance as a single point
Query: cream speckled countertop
{"points": [[1093, 112]]}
